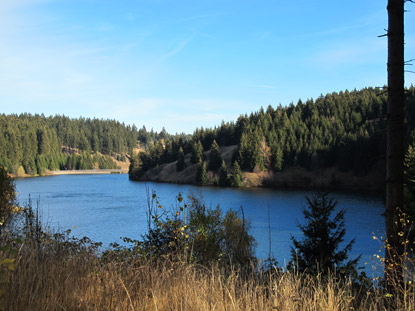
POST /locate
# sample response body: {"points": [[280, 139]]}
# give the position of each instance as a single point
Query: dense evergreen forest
{"points": [[345, 129], [33, 143]]}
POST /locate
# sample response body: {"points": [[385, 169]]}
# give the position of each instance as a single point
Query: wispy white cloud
{"points": [[177, 49], [168, 112], [9, 5], [349, 53]]}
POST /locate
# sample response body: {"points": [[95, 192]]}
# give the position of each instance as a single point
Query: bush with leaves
{"points": [[319, 252], [198, 234], [7, 196]]}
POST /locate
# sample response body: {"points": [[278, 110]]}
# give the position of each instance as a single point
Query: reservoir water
{"points": [[107, 207]]}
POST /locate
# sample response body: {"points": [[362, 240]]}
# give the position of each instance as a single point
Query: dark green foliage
{"points": [[180, 161], [39, 143], [215, 158], [277, 158], [201, 174], [7, 196], [205, 231], [135, 170], [318, 251], [238, 243], [197, 152], [223, 175], [207, 237], [250, 152], [155, 155], [105, 162], [344, 130], [235, 179]]}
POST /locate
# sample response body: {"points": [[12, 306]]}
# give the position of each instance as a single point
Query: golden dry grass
{"points": [[53, 280]]}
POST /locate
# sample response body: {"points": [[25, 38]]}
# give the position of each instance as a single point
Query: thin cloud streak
{"points": [[179, 47]]}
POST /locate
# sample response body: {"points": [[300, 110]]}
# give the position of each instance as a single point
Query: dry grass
{"points": [[53, 280]]}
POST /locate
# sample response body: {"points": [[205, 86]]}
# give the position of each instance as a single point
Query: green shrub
{"points": [[194, 233]]}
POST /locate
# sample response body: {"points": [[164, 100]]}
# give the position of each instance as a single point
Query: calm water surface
{"points": [[107, 207]]}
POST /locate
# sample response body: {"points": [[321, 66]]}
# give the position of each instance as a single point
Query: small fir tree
{"points": [[201, 174], [318, 251], [223, 175], [180, 166], [235, 179], [215, 157], [197, 152]]}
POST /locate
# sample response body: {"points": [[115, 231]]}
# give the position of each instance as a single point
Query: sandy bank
{"points": [[78, 172]]}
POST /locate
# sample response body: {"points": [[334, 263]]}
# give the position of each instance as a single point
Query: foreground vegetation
{"points": [[49, 279], [192, 258], [55, 272]]}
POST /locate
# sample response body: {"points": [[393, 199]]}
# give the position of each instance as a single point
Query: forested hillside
{"points": [[345, 130], [33, 143]]}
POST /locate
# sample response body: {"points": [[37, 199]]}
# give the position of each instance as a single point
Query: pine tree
{"points": [[235, 179], [201, 174], [215, 157], [197, 152], [180, 161], [318, 251], [223, 175], [277, 158]]}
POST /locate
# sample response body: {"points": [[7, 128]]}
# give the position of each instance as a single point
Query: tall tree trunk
{"points": [[395, 137]]}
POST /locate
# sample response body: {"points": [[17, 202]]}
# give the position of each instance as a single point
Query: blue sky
{"points": [[187, 64]]}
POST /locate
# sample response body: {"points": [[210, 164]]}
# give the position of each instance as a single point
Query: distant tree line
{"points": [[345, 129], [32, 143]]}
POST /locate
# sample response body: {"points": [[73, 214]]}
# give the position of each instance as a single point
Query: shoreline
{"points": [[75, 172]]}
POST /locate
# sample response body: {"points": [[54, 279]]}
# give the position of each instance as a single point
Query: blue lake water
{"points": [[107, 207]]}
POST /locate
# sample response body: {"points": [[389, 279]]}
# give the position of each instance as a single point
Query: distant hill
{"points": [[33, 144]]}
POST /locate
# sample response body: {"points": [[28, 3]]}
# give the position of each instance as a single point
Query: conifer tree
{"points": [[180, 166], [235, 179], [318, 251], [201, 174], [223, 175], [197, 152], [215, 159], [277, 158]]}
